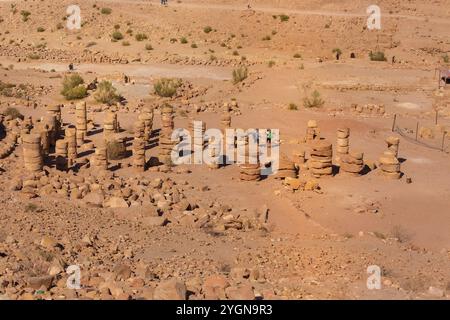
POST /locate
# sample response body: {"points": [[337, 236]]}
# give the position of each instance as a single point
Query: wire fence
{"points": [[426, 133]]}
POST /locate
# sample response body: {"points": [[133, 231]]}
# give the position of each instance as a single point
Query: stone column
{"points": [[81, 122], [321, 162], [312, 131], [61, 154], [352, 163], [110, 126], [165, 142], [146, 116], [393, 144], [250, 168], [139, 146], [389, 165], [100, 159], [71, 138], [343, 137], [32, 152]]}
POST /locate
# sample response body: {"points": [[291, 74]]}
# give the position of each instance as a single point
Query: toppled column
{"points": [[286, 168], [312, 131], [32, 152], [139, 146], [81, 122], [321, 162], [300, 159], [343, 137], [352, 163], [71, 138], [61, 154], [393, 144]]}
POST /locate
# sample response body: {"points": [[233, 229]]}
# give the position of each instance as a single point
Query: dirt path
{"points": [[278, 10], [134, 70]]}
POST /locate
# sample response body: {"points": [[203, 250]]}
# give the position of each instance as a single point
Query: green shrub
{"points": [[207, 29], [183, 40], [40, 29], [13, 112], [106, 10], [297, 56], [235, 53], [266, 38], [106, 93], [194, 46], [337, 51], [271, 63], [148, 47], [315, 101], [377, 56], [166, 87], [73, 87], [125, 43], [284, 17], [117, 35], [141, 37], [446, 58], [240, 74]]}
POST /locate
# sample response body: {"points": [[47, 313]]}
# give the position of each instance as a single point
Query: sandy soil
{"points": [[313, 244]]}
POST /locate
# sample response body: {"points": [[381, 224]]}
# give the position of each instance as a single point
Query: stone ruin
{"points": [[165, 142], [389, 163], [250, 168], [321, 161], [81, 122]]}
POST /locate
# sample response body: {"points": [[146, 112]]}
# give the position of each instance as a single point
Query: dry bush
{"points": [[315, 101], [377, 56], [106, 93], [240, 74], [13, 113], [166, 87], [116, 150]]}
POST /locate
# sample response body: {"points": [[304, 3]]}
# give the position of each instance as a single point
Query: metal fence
{"points": [[409, 129]]}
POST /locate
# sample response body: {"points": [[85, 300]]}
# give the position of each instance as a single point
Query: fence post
{"points": [[417, 129], [443, 140], [436, 118], [393, 123]]}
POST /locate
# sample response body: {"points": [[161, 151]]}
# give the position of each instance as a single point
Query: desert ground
{"points": [[364, 148]]}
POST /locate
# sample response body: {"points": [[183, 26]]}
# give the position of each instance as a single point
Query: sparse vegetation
{"points": [[40, 29], [446, 58], [33, 56], [73, 87], [25, 15], [106, 93], [167, 87], [140, 37], [284, 18], [240, 74], [116, 150], [148, 47], [271, 63], [125, 43], [292, 106], [377, 56], [297, 56], [31, 207], [106, 11], [13, 113], [117, 35], [207, 29], [194, 46], [315, 101], [183, 40]]}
